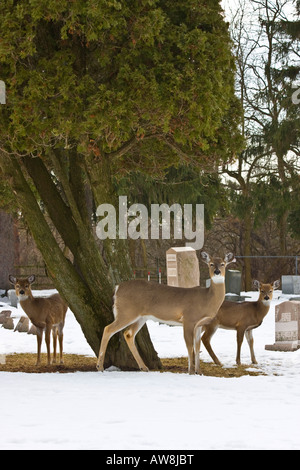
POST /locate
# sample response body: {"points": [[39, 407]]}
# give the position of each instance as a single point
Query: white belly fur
{"points": [[167, 322]]}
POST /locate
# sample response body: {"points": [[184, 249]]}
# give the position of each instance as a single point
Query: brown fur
{"points": [[242, 317], [136, 301], [47, 314]]}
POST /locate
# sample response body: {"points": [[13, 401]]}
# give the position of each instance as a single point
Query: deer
{"points": [[137, 301], [240, 316], [45, 313]]}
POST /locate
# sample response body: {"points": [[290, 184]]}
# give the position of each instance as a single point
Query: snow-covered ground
{"points": [[153, 411]]}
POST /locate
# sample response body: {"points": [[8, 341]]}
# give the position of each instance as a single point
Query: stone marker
{"points": [[287, 327], [4, 315], [32, 330], [290, 284], [182, 267], [13, 299], [8, 323], [233, 281], [22, 325]]}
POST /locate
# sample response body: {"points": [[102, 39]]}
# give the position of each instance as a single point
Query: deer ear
{"points": [[205, 256], [256, 284], [31, 279], [12, 279], [276, 284], [229, 258]]}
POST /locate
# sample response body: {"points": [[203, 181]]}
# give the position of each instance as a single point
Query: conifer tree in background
{"points": [[97, 90], [266, 72]]}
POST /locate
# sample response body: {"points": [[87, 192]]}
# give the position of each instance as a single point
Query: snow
{"points": [[118, 410]]}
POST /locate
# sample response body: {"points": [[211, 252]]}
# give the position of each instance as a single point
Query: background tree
{"points": [[99, 89], [271, 119]]}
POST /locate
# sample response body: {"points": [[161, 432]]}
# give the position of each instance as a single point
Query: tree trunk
{"points": [[247, 251]]}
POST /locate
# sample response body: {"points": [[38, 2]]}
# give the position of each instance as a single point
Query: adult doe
{"points": [[242, 317], [135, 302], [46, 313]]}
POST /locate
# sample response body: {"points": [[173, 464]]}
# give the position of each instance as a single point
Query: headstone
{"points": [[32, 330], [233, 281], [22, 325], [290, 284], [182, 267], [13, 299], [287, 327], [8, 323], [4, 315]]}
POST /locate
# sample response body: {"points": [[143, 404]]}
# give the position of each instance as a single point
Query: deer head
{"points": [[266, 291], [217, 266], [22, 286]]}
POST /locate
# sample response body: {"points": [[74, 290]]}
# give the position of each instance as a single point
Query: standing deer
{"points": [[135, 302], [242, 317], [46, 314]]}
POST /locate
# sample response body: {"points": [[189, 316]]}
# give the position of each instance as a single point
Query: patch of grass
{"points": [[25, 362], [179, 365]]}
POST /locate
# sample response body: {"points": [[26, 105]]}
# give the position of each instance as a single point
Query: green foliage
{"points": [[97, 74], [181, 185]]}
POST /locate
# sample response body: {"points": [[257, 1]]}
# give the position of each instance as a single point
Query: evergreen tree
{"points": [[103, 88]]}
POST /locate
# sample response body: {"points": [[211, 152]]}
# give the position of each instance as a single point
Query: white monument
{"points": [[182, 267], [287, 327]]}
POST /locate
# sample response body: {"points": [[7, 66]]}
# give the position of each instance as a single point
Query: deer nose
{"points": [[266, 297], [22, 292], [217, 272]]}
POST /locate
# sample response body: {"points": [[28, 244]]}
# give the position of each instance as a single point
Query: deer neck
{"points": [[216, 292], [26, 305], [217, 288], [263, 307]]}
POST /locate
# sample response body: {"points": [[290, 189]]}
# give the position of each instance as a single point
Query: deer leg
{"points": [[60, 339], [197, 344], [39, 337], [239, 337], [47, 339], [250, 340], [108, 332], [206, 337], [129, 336], [54, 335], [188, 332]]}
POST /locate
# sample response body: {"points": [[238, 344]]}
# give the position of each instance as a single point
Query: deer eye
{"points": [[211, 265], [17, 286]]}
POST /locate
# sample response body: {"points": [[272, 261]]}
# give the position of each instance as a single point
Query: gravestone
{"points": [[32, 330], [22, 325], [287, 327], [4, 315], [8, 324], [13, 299], [182, 267], [233, 281], [290, 284]]}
